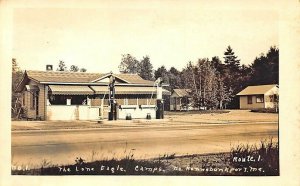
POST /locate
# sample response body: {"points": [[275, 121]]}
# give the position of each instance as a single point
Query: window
{"points": [[57, 100], [249, 98], [24, 98], [260, 99], [79, 100], [62, 99], [273, 98], [125, 101], [32, 101]]}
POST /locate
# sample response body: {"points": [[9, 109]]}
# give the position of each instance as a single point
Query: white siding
{"points": [[72, 112]]}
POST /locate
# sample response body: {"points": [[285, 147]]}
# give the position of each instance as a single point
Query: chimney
{"points": [[49, 67]]}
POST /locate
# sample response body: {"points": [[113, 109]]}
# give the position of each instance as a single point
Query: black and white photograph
{"points": [[146, 88]]}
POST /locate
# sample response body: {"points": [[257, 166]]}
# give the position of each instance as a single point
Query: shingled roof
{"points": [[61, 76], [182, 92], [255, 90], [81, 77], [74, 78]]}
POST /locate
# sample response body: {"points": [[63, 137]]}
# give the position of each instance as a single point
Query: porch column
{"points": [[180, 106], [47, 101], [89, 101]]}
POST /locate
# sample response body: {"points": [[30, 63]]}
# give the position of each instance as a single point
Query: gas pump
{"points": [[112, 113], [159, 100]]}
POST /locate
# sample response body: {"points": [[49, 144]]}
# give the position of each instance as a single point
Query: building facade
{"points": [[55, 95], [261, 96], [180, 100]]}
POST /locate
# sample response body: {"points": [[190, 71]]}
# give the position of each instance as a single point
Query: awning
{"points": [[70, 90], [128, 90]]}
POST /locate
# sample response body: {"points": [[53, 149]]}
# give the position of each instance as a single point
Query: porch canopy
{"points": [[70, 90], [127, 90]]}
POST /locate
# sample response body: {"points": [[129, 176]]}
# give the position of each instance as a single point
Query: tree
{"points": [[145, 68], [224, 95], [129, 64], [187, 76], [208, 84], [244, 78], [232, 65], [17, 75], [217, 63], [231, 60], [174, 78], [83, 70], [232, 75], [74, 68], [273, 61], [265, 68], [202, 81], [61, 66], [163, 73]]}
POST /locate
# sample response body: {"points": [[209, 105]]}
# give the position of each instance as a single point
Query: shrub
{"points": [[265, 110]]}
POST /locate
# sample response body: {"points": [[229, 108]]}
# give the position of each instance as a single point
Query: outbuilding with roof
{"points": [[180, 99], [260, 96]]}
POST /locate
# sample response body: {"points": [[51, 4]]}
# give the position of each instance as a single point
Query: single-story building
{"points": [[180, 99], [261, 96], [56, 95]]}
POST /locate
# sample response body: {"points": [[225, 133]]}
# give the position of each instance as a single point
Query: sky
{"points": [[171, 33]]}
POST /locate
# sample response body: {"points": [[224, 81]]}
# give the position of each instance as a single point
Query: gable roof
{"points": [[62, 77], [81, 77], [134, 78], [182, 92], [254, 90], [106, 77], [127, 78]]}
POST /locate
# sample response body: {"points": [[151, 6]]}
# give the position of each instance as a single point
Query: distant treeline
{"points": [[213, 83]]}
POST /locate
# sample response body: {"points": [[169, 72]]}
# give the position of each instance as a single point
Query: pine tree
{"points": [[231, 60], [232, 74]]}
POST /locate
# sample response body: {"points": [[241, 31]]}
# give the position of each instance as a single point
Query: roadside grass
{"points": [[264, 156], [242, 160]]}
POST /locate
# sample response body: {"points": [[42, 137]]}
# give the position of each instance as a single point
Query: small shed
{"points": [[260, 96], [180, 100]]}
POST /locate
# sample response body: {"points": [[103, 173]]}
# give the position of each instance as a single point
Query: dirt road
{"points": [[63, 146]]}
